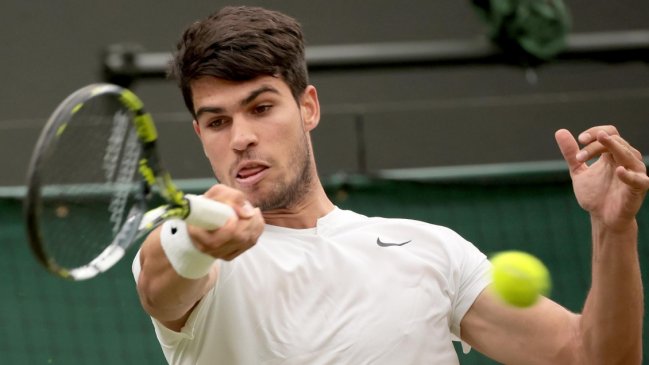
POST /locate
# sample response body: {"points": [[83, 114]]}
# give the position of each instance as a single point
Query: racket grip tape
{"points": [[207, 213]]}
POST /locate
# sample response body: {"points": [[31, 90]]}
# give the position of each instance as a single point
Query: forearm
{"points": [[611, 324], [164, 294]]}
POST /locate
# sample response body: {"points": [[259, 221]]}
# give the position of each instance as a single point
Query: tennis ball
{"points": [[519, 278]]}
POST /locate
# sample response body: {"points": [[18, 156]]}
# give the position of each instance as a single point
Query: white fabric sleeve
{"points": [[471, 275], [135, 267], [170, 339]]}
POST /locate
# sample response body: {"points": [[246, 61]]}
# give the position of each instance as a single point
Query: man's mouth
{"points": [[250, 174]]}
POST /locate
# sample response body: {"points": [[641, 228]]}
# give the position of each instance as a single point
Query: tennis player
{"points": [[292, 279]]}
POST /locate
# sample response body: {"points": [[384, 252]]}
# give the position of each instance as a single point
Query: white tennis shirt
{"points": [[333, 295]]}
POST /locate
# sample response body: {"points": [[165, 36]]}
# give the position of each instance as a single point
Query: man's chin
{"points": [[264, 202]]}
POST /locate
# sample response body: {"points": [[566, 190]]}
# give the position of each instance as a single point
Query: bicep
{"points": [[542, 334]]}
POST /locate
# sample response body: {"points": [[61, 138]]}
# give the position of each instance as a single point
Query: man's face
{"points": [[256, 137]]}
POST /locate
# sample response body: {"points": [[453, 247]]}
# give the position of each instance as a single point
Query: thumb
{"points": [[569, 149]]}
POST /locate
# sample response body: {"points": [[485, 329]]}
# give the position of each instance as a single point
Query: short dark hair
{"points": [[240, 44]]}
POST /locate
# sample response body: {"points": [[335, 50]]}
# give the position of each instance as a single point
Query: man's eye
{"points": [[260, 109], [216, 123]]}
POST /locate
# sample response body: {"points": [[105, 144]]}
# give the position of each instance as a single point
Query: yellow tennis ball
{"points": [[519, 278]]}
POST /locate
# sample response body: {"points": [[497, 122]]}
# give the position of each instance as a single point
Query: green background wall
{"points": [[46, 320]]}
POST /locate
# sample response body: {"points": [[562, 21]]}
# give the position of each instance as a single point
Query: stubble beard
{"points": [[288, 194]]}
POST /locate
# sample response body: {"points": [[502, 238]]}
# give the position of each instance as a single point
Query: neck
{"points": [[305, 213]]}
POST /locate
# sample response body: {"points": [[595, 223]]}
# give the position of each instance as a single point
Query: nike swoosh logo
{"points": [[388, 244]]}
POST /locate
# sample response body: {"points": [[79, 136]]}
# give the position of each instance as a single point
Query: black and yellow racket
{"points": [[96, 184]]}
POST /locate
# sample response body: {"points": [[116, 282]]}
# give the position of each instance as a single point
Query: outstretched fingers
{"points": [[592, 145], [634, 179], [622, 152], [630, 168], [596, 141]]}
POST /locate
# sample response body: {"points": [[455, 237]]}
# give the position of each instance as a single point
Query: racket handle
{"points": [[207, 213]]}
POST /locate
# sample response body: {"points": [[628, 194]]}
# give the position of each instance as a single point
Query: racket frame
{"points": [[139, 221]]}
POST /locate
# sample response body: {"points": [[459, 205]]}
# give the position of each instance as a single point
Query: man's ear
{"points": [[310, 108], [197, 128]]}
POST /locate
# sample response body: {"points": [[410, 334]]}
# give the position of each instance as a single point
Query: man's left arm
{"points": [[609, 331]]}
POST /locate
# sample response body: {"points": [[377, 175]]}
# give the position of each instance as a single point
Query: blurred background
{"points": [[435, 122]]}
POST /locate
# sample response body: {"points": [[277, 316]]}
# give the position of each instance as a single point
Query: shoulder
{"points": [[358, 221], [342, 217], [423, 234]]}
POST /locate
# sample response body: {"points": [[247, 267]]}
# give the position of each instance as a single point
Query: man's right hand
{"points": [[169, 297], [238, 234]]}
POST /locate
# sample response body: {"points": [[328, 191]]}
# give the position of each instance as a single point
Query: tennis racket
{"points": [[96, 184]]}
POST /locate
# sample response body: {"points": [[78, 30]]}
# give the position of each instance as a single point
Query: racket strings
{"points": [[88, 182]]}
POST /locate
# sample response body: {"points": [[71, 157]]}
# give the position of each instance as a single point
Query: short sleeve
{"points": [[170, 339], [470, 278]]}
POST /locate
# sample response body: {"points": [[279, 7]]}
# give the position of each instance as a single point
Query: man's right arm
{"points": [[170, 297], [165, 295]]}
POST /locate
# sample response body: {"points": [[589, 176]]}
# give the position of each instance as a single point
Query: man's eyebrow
{"points": [[209, 109], [255, 93], [248, 99]]}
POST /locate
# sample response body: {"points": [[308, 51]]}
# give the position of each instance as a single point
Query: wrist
{"points": [[620, 227], [613, 242], [183, 256]]}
